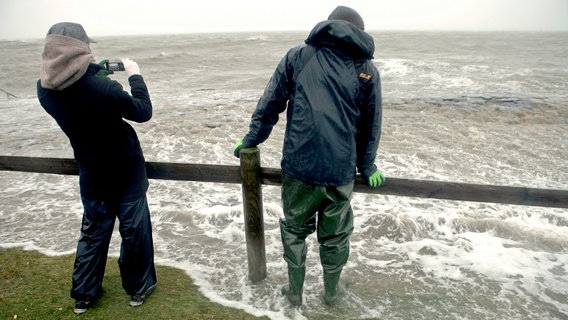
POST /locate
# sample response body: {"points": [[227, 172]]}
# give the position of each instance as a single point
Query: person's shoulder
{"points": [[368, 65], [297, 49], [99, 85], [301, 52]]}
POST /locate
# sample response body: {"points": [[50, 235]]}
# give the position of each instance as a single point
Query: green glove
{"points": [[237, 148], [104, 71], [377, 179]]}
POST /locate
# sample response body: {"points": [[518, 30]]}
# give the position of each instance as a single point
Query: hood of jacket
{"points": [[343, 36], [64, 61]]}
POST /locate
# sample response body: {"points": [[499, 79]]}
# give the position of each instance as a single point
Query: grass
{"points": [[35, 286]]}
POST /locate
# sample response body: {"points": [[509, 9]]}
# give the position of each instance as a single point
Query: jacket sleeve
{"points": [[137, 106], [370, 125], [271, 104]]}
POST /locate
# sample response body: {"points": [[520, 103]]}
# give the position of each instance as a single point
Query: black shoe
{"points": [[81, 306], [294, 299], [138, 299]]}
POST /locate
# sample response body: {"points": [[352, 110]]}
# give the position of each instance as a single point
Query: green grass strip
{"points": [[36, 286]]}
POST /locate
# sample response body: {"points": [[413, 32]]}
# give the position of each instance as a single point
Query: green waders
{"points": [[308, 208]]}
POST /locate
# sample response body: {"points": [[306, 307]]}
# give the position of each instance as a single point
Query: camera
{"points": [[114, 66]]}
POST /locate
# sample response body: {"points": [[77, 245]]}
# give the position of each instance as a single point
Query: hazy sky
{"points": [[23, 19]]}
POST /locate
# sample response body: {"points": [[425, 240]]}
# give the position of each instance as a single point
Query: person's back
{"points": [[332, 75], [90, 112]]}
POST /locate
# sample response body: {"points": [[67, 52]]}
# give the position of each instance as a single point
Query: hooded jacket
{"points": [[91, 111], [332, 93]]}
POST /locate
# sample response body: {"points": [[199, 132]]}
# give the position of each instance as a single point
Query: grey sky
{"points": [[23, 19]]}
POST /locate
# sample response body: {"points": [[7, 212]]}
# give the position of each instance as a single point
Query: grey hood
{"points": [[64, 61]]}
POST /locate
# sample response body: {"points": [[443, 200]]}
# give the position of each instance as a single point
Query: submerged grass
{"points": [[35, 286]]}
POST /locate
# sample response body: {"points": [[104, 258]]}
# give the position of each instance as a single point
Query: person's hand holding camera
{"points": [[104, 71], [131, 67]]}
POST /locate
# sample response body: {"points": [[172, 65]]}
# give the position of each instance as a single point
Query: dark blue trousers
{"points": [[136, 261]]}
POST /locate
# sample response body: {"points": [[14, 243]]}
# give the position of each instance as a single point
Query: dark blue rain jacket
{"points": [[332, 93], [91, 112]]}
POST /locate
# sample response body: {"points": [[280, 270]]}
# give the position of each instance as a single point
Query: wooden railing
{"points": [[251, 176]]}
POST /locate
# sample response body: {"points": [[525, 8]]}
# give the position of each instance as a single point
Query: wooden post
{"points": [[253, 213]]}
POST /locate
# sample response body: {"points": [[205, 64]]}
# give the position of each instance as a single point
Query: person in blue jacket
{"points": [[331, 92], [90, 109]]}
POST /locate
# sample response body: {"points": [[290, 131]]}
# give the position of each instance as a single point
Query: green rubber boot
{"points": [[295, 287], [334, 288]]}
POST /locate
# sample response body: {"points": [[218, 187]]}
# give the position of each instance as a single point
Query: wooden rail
{"points": [[252, 176], [271, 176]]}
